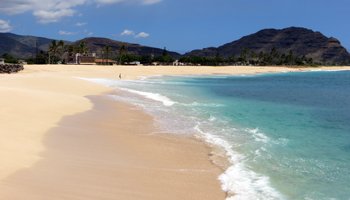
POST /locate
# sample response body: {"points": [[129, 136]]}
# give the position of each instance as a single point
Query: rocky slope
{"points": [[97, 45], [22, 46], [301, 41]]}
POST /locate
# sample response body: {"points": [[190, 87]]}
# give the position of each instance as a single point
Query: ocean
{"points": [[286, 135]]}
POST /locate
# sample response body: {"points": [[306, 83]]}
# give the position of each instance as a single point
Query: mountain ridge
{"points": [[301, 41], [22, 46], [96, 44], [298, 40], [26, 46]]}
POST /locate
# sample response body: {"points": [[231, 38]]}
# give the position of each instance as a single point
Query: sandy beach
{"points": [[64, 138]]}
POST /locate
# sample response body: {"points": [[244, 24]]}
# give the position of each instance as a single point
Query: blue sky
{"points": [[179, 25]]}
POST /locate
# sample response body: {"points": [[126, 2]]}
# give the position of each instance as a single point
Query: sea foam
{"points": [[154, 96], [238, 181], [166, 101], [258, 135]]}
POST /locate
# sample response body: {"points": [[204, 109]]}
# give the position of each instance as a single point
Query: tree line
{"points": [[247, 57], [59, 52]]}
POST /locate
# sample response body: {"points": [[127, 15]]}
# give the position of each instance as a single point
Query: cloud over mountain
{"points": [[142, 35], [5, 26]]}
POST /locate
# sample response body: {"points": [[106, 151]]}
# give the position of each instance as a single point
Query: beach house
{"points": [[100, 61], [85, 59], [22, 62], [2, 61]]}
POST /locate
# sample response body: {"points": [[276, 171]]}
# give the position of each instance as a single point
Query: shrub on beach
{"points": [[10, 68]]}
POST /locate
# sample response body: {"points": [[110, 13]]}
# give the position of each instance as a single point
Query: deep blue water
{"points": [[287, 135]]}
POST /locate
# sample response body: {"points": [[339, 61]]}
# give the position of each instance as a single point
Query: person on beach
{"points": [[120, 76]]}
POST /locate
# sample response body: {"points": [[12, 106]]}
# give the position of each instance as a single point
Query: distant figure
{"points": [[120, 76]]}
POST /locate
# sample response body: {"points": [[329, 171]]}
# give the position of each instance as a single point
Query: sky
{"points": [[178, 25]]}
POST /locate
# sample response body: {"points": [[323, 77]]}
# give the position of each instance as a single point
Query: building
{"points": [[155, 63], [100, 61], [85, 59], [178, 63], [138, 63], [77, 59], [22, 62], [2, 61]]}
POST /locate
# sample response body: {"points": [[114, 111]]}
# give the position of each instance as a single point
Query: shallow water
{"points": [[287, 135]]}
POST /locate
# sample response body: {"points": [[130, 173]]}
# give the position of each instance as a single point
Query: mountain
{"points": [[301, 41], [25, 46], [96, 45], [22, 46]]}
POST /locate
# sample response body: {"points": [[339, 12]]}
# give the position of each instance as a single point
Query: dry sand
{"points": [[61, 138]]}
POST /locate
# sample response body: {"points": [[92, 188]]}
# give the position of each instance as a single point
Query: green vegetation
{"points": [[247, 57], [41, 58], [61, 53], [9, 58], [56, 50]]}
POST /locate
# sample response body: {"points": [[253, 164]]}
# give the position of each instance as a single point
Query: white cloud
{"points": [[81, 24], [66, 33], [49, 11], [109, 1], [142, 35], [46, 11], [88, 33], [144, 2], [46, 17], [127, 32], [149, 2], [5, 26]]}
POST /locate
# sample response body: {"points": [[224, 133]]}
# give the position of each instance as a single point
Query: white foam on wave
{"points": [[258, 135], [153, 96], [198, 104], [237, 181], [212, 118], [105, 82]]}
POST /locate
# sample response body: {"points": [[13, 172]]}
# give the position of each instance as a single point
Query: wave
{"points": [[153, 96], [237, 181], [212, 118], [105, 82], [257, 135], [198, 104], [113, 83]]}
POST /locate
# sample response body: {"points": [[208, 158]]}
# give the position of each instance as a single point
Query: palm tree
{"points": [[82, 49], [122, 52], [107, 49], [52, 49], [60, 50], [56, 49]]}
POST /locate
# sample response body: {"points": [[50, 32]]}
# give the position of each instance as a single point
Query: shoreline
{"points": [[66, 96], [118, 163]]}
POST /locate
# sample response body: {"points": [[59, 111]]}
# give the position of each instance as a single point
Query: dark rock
{"points": [[10, 68]]}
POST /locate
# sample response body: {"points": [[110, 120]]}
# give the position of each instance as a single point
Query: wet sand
{"points": [[113, 152]]}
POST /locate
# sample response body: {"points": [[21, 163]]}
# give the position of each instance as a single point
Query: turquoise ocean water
{"points": [[287, 136]]}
